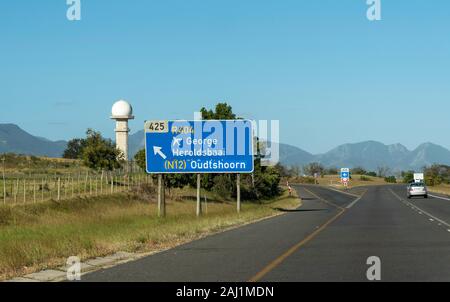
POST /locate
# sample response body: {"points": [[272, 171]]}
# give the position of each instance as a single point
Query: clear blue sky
{"points": [[319, 66]]}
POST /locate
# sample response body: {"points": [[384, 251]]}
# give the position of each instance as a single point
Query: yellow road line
{"points": [[271, 266], [293, 249]]}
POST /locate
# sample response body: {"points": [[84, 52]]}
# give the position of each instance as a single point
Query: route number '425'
{"points": [[157, 126]]}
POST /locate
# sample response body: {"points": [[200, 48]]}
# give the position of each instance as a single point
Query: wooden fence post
{"points": [[4, 184], [17, 191], [59, 188], [24, 190], [85, 183], [34, 190], [101, 183]]}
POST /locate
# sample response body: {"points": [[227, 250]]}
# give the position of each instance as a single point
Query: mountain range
{"points": [[14, 139], [369, 154]]}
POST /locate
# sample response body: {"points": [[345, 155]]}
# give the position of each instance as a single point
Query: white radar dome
{"points": [[122, 108]]}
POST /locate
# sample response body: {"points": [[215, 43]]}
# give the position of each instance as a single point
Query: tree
{"points": [[314, 168], [140, 159], [223, 111], [390, 179], [383, 171], [408, 176], [332, 171], [100, 153], [170, 180], [177, 180], [295, 171], [359, 171], [75, 148], [437, 174], [262, 183]]}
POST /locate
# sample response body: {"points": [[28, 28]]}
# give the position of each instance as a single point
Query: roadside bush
{"points": [[359, 171], [437, 174], [145, 192], [390, 179], [365, 178], [223, 186], [332, 171]]}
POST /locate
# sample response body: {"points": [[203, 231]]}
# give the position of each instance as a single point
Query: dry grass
{"points": [[440, 189], [40, 236], [356, 181]]}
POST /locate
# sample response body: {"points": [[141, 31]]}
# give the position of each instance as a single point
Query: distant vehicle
{"points": [[417, 189]]}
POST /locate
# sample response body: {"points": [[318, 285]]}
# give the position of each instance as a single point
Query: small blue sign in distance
{"points": [[204, 146]]}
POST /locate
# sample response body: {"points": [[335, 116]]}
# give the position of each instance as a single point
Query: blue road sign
{"points": [[345, 174], [208, 146]]}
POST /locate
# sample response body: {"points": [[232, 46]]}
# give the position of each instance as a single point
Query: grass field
{"points": [[356, 181], [43, 235], [441, 189], [22, 189]]}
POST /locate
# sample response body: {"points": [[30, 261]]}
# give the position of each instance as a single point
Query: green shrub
{"points": [[365, 178], [390, 179]]}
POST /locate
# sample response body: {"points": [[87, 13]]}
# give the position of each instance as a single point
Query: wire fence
{"points": [[24, 189]]}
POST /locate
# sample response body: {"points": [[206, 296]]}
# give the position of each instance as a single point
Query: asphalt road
{"points": [[328, 239]]}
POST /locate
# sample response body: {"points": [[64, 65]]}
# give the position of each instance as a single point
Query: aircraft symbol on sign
{"points": [[176, 141]]}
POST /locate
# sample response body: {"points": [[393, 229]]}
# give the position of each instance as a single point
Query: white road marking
{"points": [[426, 213], [439, 197], [339, 191], [355, 201]]}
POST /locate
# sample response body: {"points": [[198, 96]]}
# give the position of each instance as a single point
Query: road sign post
{"points": [[161, 196], [316, 176], [201, 146], [345, 176], [199, 202], [238, 192], [204, 146]]}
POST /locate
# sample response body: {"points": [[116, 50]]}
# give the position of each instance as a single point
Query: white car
{"points": [[417, 189]]}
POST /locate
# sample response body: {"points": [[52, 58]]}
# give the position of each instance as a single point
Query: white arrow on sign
{"points": [[157, 151]]}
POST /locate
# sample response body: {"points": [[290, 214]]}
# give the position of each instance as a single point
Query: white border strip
{"points": [[439, 197], [419, 209], [356, 200], [339, 191]]}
